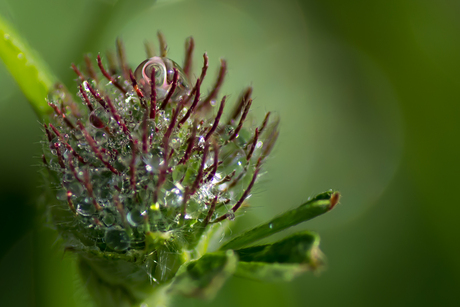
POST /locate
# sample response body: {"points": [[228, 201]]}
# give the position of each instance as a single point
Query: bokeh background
{"points": [[368, 96]]}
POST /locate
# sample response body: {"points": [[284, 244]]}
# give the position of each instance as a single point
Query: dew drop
{"points": [[117, 239], [61, 194], [135, 217], [78, 134], [270, 226], [108, 218], [67, 178], [100, 137], [85, 207], [75, 188], [174, 197], [152, 162]]}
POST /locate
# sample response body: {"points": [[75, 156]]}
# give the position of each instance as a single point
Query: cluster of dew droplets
{"points": [[138, 155]]}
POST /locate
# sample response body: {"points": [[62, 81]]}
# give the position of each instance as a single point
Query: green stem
{"points": [[27, 68]]}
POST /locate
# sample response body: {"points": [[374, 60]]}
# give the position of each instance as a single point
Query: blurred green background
{"points": [[368, 95]]}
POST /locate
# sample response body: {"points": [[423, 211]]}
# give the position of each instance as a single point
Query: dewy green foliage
{"points": [[30, 72], [144, 177]]}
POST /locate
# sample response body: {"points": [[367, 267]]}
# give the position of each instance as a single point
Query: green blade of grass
{"points": [[27, 68], [318, 205]]}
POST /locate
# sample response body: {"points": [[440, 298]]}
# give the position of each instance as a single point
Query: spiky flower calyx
{"points": [[145, 168]]}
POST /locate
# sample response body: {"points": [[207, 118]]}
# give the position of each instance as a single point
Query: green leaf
{"points": [[204, 277], [27, 68], [318, 205], [114, 283], [281, 261]]}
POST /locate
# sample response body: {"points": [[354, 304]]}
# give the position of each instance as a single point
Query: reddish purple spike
{"points": [[48, 133], [242, 199], [243, 99], [117, 118], [69, 148], [220, 79], [171, 126], [191, 144], [242, 119], [166, 153], [55, 130], [85, 97], [136, 87], [78, 72], [95, 149], [171, 90], [69, 201], [270, 141], [90, 68], [205, 66], [197, 181], [59, 113], [194, 104], [211, 211], [253, 146], [96, 95], [189, 46], [89, 188], [132, 167], [109, 77], [216, 162], [59, 155], [145, 144], [122, 59], [112, 60], [216, 120], [264, 123], [44, 160]]}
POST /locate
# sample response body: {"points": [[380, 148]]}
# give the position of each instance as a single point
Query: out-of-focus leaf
{"points": [[202, 278], [318, 205], [30, 72], [281, 261]]}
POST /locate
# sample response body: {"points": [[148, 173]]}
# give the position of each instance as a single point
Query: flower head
{"points": [[145, 168]]}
